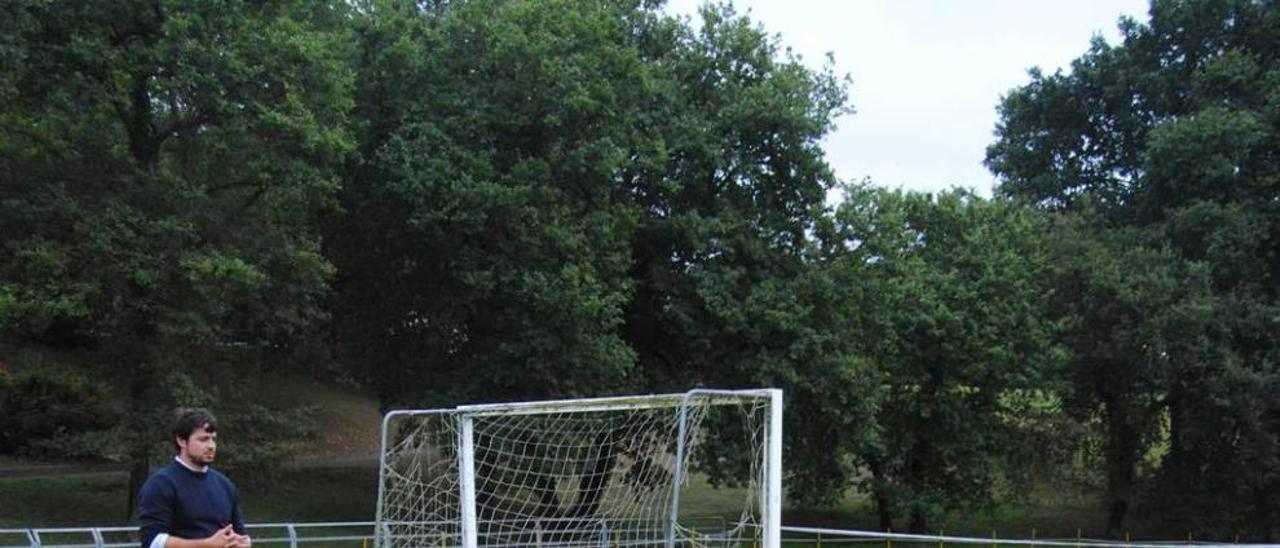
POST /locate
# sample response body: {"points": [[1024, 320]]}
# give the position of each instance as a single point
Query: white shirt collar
{"points": [[184, 464]]}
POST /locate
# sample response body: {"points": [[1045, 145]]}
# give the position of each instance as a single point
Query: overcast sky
{"points": [[927, 74]]}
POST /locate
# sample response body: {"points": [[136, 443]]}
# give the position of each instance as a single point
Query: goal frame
{"points": [[770, 492]]}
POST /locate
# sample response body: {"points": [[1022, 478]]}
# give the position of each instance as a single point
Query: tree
{"points": [[956, 329], [738, 182], [1171, 133], [483, 255], [163, 162], [644, 181], [1112, 287], [601, 200], [729, 287]]}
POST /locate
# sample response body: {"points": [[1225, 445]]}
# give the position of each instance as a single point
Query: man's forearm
{"points": [[231, 540], [178, 542]]}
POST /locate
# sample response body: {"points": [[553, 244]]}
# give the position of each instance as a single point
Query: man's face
{"points": [[200, 448]]}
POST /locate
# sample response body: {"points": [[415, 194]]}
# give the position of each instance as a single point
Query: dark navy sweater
{"points": [[187, 504]]}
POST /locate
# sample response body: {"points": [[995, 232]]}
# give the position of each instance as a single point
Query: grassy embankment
{"points": [[317, 490]]}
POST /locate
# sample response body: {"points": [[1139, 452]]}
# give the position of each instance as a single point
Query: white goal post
{"points": [[606, 472]]}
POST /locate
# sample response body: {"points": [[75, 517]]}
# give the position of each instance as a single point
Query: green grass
{"points": [[310, 495], [314, 495], [71, 501], [348, 494], [1048, 512]]}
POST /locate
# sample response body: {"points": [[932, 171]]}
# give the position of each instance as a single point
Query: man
{"points": [[187, 504]]}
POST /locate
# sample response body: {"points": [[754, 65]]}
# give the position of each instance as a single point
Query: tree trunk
{"points": [[879, 491], [917, 470], [1122, 457], [882, 509], [143, 143], [139, 469], [549, 501], [1175, 472], [141, 386], [592, 485], [919, 523]]}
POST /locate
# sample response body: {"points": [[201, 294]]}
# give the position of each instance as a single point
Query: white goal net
{"points": [[631, 471]]}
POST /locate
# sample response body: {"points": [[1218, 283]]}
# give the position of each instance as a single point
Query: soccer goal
{"points": [[628, 471]]}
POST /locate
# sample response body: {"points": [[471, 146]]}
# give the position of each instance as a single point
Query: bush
{"points": [[51, 414]]}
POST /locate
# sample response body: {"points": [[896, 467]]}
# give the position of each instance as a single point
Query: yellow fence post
{"points": [[941, 543]]}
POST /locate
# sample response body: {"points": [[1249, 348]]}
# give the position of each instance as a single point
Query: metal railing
{"points": [[294, 534], [818, 537], [344, 533], [361, 533]]}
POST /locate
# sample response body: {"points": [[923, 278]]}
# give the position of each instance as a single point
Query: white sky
{"points": [[928, 74]]}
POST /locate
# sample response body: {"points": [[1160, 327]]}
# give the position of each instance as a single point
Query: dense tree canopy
{"points": [[955, 330], [577, 203], [494, 183], [1172, 134], [486, 200], [162, 163]]}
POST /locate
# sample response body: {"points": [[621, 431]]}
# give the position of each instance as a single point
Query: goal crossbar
{"points": [[618, 403]]}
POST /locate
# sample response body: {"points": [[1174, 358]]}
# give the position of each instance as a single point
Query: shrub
{"points": [[52, 414]]}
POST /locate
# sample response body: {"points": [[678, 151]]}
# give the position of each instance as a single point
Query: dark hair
{"points": [[187, 420]]}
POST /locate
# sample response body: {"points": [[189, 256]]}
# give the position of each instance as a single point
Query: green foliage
{"points": [[600, 200], [485, 251], [498, 200], [1222, 406], [164, 165], [1113, 285], [577, 203], [719, 256], [165, 187], [45, 414], [954, 326], [1165, 144]]}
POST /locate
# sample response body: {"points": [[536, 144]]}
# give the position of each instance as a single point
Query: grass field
{"points": [[311, 494], [347, 493]]}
